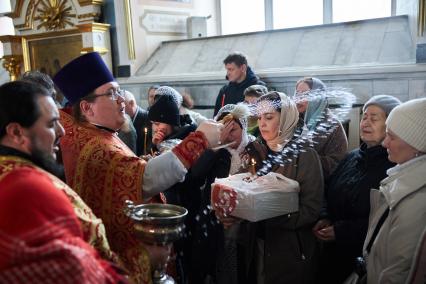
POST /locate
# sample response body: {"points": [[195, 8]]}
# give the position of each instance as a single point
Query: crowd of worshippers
{"points": [[66, 172]]}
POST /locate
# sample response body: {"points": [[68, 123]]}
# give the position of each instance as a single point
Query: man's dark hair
{"points": [[18, 103], [40, 78], [76, 110], [237, 58]]}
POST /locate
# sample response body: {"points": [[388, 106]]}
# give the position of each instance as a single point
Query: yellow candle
{"points": [[144, 145], [253, 166]]}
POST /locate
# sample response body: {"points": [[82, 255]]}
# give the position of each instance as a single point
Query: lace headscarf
{"points": [[240, 112], [317, 104], [288, 121], [166, 90]]}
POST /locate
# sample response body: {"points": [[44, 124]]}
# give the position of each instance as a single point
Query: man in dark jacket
{"points": [[140, 121], [240, 76]]}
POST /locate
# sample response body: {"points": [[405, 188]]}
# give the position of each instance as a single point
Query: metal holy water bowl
{"points": [[157, 223]]}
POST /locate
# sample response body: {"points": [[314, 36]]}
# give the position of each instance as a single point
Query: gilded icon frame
{"points": [[49, 52]]}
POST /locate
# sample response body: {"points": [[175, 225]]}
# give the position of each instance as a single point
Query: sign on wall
{"points": [[164, 22]]}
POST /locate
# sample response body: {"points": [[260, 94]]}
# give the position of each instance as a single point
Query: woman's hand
{"points": [[227, 128], [158, 255], [324, 230], [158, 137], [227, 221], [321, 224], [146, 157]]}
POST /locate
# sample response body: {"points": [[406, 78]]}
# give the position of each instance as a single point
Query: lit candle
{"points": [[144, 145], [253, 167]]}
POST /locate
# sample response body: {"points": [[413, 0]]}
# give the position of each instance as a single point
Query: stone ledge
{"points": [[370, 72]]}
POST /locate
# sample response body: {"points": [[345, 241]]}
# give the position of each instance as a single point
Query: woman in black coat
{"points": [[344, 219], [204, 235]]}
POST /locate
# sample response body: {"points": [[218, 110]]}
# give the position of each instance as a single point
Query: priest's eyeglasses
{"points": [[113, 94]]}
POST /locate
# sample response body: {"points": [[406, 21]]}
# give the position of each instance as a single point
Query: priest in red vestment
{"points": [[103, 170], [44, 225]]}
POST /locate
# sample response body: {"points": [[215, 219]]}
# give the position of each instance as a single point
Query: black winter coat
{"points": [[204, 234], [348, 208], [140, 122], [233, 93]]}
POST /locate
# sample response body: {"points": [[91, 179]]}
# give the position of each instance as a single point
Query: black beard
{"points": [[47, 163]]}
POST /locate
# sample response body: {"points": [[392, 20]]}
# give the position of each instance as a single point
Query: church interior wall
{"points": [[403, 85], [152, 26], [385, 61], [410, 8]]}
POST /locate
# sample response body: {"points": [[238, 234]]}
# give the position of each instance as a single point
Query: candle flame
{"points": [[145, 130]]}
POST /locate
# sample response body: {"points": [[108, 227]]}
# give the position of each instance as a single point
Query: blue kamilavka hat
{"points": [[82, 75]]}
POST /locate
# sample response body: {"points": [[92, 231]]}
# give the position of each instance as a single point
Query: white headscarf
{"points": [[288, 122], [240, 112]]}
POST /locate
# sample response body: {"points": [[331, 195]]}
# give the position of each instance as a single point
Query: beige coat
{"points": [[289, 251], [404, 192], [417, 273]]}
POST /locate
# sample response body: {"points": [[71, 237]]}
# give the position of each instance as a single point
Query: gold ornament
{"points": [[54, 14], [12, 64]]}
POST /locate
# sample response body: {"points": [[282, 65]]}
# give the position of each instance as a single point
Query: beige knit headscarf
{"points": [[288, 122]]}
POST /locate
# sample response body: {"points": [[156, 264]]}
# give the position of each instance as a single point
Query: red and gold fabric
{"points": [[190, 149], [41, 239], [106, 173], [93, 228]]}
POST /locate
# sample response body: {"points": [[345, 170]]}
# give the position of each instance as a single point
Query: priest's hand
{"points": [[158, 255], [212, 131]]}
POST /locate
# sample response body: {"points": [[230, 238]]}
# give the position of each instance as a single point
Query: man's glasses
{"points": [[113, 94]]}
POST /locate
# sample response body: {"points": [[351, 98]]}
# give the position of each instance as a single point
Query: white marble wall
{"points": [[149, 33], [366, 57], [369, 57], [374, 42], [403, 85], [4, 75]]}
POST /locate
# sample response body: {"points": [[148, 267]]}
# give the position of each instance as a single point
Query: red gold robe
{"points": [[105, 173], [93, 229]]}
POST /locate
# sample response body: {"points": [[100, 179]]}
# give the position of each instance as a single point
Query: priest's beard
{"points": [[47, 162]]}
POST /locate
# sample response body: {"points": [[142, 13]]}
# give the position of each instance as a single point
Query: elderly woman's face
{"points": [[301, 99], [372, 126], [269, 120], [398, 150]]}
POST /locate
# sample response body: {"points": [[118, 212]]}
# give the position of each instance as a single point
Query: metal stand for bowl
{"points": [[160, 225]]}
